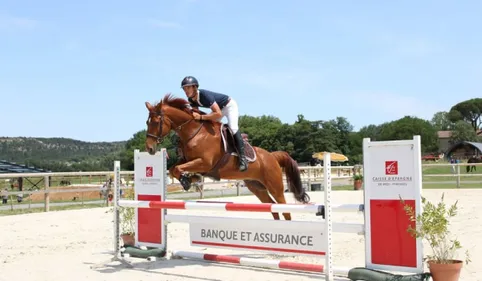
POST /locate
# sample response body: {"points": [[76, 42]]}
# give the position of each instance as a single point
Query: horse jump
{"points": [[392, 171]]}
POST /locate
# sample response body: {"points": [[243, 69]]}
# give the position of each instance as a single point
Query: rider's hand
{"points": [[196, 116]]}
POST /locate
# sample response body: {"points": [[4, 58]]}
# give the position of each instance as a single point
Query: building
{"points": [[444, 140], [465, 150], [444, 143], [14, 168]]}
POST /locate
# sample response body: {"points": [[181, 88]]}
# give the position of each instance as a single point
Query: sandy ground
{"points": [[63, 245]]}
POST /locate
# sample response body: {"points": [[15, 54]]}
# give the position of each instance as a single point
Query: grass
{"points": [[55, 181], [52, 209], [448, 185], [428, 173], [26, 201]]}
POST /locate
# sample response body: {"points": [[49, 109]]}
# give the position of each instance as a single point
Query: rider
{"points": [[221, 105]]}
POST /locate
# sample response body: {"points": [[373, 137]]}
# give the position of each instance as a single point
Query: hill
{"points": [[60, 154]]}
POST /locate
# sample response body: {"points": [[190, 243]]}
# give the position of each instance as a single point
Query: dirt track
{"points": [[63, 245]]}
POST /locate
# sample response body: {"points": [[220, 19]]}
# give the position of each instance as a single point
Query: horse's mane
{"points": [[173, 101], [179, 103]]}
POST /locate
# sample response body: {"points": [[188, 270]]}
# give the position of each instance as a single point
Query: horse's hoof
{"points": [[186, 184]]}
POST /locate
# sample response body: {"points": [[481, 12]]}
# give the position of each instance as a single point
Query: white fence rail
{"points": [[44, 183]]}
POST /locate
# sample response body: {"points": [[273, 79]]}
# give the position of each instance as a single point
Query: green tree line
{"points": [[301, 139], [305, 137]]}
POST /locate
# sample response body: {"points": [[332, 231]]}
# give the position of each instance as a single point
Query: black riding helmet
{"points": [[189, 81]]}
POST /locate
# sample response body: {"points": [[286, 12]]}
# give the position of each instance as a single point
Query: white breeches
{"points": [[232, 114]]}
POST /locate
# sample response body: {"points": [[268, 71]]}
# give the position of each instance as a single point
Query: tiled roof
{"points": [[476, 145], [448, 134], [444, 134]]}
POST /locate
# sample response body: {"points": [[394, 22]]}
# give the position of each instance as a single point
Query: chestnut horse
{"points": [[204, 152]]}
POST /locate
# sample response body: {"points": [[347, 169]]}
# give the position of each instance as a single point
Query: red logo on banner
{"points": [[391, 167], [149, 171]]}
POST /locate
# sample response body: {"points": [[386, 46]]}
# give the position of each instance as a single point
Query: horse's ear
{"points": [[149, 106]]}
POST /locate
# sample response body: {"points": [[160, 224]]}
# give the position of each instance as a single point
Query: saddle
{"points": [[228, 142], [230, 147]]}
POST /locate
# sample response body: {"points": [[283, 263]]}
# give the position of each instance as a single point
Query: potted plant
{"points": [[432, 226], [357, 177], [357, 181], [127, 220]]}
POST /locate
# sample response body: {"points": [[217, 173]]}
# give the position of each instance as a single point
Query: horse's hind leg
{"points": [[274, 185], [276, 189], [261, 192]]}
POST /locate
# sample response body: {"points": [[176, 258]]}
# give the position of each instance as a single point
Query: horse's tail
{"points": [[293, 177]]}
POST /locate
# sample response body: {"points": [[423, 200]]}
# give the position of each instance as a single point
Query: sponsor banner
{"points": [[284, 237], [149, 174]]}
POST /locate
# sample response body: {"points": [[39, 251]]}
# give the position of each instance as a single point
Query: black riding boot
{"points": [[243, 163]]}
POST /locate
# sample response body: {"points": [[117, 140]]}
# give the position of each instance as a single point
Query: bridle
{"points": [[159, 138]]}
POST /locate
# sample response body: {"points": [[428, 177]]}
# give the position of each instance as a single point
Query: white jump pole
{"points": [[328, 219], [116, 199]]}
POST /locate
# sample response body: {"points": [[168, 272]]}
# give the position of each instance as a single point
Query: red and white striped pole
{"points": [[239, 207], [263, 263]]}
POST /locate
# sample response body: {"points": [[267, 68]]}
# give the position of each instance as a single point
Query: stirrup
{"points": [[242, 162]]}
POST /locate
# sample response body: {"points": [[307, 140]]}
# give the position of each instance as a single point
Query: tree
{"points": [[356, 148], [343, 128], [469, 111], [138, 141], [301, 139], [441, 121], [262, 131], [463, 131], [407, 127], [371, 131]]}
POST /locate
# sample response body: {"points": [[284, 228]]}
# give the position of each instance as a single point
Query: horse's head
{"points": [[157, 127], [169, 114]]}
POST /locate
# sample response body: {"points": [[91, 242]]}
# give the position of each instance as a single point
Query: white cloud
{"points": [[163, 24], [9, 22]]}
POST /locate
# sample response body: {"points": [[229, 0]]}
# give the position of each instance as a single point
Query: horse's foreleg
{"points": [[195, 166], [171, 170]]}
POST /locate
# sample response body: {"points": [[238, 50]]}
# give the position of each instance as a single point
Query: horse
{"points": [[208, 149], [473, 159]]}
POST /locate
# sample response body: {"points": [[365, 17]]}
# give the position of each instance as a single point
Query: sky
{"points": [[84, 69]]}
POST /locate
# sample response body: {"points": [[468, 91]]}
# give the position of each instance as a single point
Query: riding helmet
{"points": [[189, 81]]}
